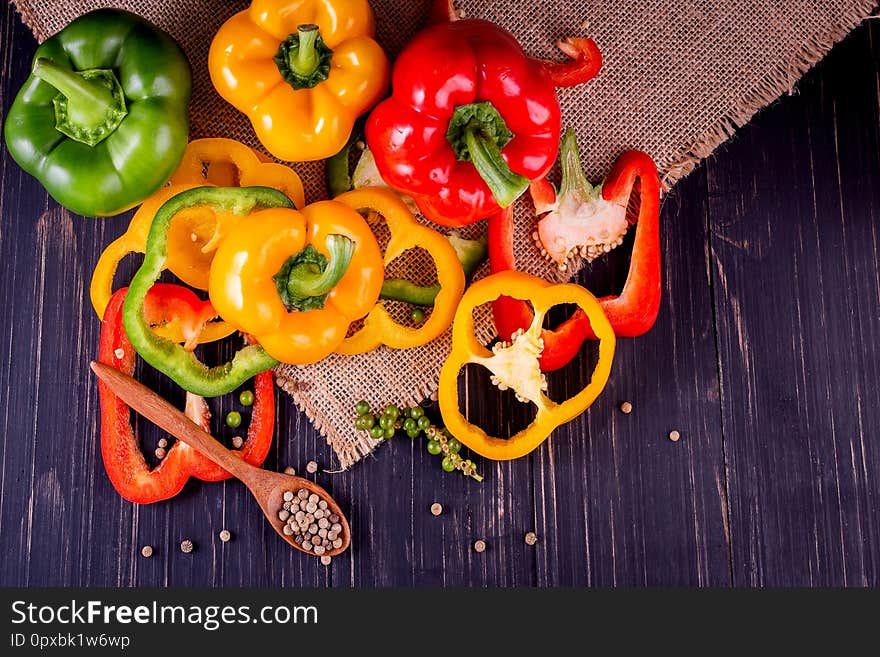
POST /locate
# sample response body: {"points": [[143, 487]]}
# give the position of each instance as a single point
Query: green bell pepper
{"points": [[102, 120]]}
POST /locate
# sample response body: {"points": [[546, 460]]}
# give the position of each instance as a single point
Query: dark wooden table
{"points": [[765, 358]]}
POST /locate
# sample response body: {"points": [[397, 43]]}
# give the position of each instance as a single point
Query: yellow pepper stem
{"points": [[305, 279], [303, 59]]}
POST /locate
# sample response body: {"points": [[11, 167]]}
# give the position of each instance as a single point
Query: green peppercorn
{"points": [[389, 433], [412, 433], [376, 432], [409, 425], [386, 422], [453, 445], [448, 464], [369, 420], [417, 412], [233, 420], [424, 422], [362, 407], [392, 411], [246, 398], [359, 423], [418, 315], [433, 447]]}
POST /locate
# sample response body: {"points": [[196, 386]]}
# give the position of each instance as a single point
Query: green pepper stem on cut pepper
{"points": [[166, 356]]}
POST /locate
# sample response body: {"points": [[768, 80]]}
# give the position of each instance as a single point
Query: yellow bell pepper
{"points": [[301, 70], [515, 365], [194, 232], [296, 279], [406, 233]]}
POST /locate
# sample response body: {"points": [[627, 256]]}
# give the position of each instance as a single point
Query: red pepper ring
{"points": [[634, 311], [124, 462], [585, 56]]}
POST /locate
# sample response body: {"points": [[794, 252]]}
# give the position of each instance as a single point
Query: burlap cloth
{"points": [[679, 77]]}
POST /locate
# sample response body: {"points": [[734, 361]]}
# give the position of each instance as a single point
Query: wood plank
{"points": [[793, 212]]}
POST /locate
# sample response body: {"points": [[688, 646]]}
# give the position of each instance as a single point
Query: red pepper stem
{"points": [[485, 155]]}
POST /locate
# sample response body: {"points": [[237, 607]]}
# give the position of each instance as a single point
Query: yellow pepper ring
{"points": [[221, 162], [406, 233], [467, 349]]}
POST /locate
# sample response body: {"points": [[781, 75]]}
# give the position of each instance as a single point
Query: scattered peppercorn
{"points": [[326, 560], [479, 546], [119, 353], [160, 453], [674, 436], [186, 546], [626, 408], [436, 508], [531, 538], [418, 316], [289, 471], [311, 467], [225, 535], [246, 398], [237, 442], [163, 442], [233, 420], [147, 551]]}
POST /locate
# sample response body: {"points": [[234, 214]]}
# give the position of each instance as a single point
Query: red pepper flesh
{"points": [[470, 122], [126, 467]]}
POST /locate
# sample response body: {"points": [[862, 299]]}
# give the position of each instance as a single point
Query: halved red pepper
{"points": [[631, 313], [126, 467]]}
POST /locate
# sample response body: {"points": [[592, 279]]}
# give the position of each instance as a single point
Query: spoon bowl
{"points": [[267, 487]]}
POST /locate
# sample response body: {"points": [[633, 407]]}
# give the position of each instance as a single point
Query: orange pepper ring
{"points": [[467, 349]]}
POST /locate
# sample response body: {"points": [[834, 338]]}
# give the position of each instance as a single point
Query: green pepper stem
{"points": [[486, 156], [306, 280], [88, 102], [573, 177], [306, 57]]}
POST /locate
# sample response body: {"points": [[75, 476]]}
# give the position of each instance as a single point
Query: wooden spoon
{"points": [[267, 487]]}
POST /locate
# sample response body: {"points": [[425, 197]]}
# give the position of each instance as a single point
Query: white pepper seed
{"points": [[286, 506], [319, 513], [325, 560], [334, 517], [225, 535], [674, 436], [436, 508], [289, 471], [332, 536], [479, 545], [288, 530], [310, 518], [307, 545], [311, 508], [283, 515], [302, 504], [626, 408], [302, 494], [337, 543], [299, 516], [323, 523], [313, 529], [336, 527], [322, 533], [313, 498], [288, 495], [311, 467], [531, 538], [186, 546], [237, 442], [147, 551], [322, 505], [160, 453], [298, 539], [163, 442], [320, 549]]}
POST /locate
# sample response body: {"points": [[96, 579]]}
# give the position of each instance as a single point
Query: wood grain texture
{"points": [[794, 207], [764, 359]]}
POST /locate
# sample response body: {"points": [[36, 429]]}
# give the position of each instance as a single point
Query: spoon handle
{"points": [[167, 417]]}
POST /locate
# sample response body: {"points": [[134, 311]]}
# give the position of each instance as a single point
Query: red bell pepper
{"points": [[583, 64], [126, 467], [575, 222], [471, 121]]}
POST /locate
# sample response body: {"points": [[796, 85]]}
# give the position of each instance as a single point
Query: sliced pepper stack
{"points": [[515, 365]]}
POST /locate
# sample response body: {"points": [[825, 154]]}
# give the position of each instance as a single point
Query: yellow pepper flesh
{"points": [[515, 366], [406, 233]]}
